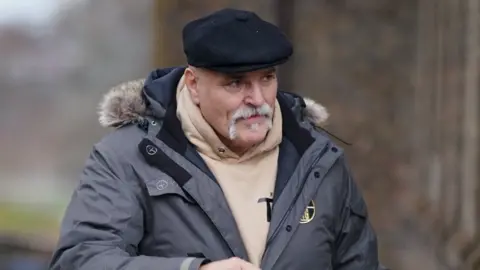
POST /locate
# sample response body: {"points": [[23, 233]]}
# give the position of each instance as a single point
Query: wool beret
{"points": [[231, 40]]}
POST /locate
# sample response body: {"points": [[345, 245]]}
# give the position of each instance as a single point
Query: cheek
{"points": [[218, 108], [270, 95], [210, 108]]}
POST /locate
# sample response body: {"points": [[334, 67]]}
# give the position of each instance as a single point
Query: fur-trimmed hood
{"points": [[127, 102]]}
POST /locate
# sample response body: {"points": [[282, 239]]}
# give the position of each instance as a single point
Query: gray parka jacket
{"points": [[147, 201]]}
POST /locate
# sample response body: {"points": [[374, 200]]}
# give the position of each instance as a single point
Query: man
{"points": [[210, 167]]}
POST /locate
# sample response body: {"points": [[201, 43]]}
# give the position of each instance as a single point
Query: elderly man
{"points": [[210, 167]]}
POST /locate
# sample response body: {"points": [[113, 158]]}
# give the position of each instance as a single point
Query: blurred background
{"points": [[400, 79]]}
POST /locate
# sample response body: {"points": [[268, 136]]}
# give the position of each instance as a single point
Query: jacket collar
{"points": [[132, 101]]}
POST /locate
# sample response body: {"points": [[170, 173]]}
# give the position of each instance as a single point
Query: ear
{"points": [[191, 81]]}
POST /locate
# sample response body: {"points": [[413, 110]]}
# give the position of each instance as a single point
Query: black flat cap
{"points": [[231, 40]]}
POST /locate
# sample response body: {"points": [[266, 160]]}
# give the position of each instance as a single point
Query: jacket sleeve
{"points": [[103, 224], [356, 245]]}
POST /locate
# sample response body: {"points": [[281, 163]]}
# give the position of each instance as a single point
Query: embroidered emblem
{"points": [[162, 184], [309, 213]]}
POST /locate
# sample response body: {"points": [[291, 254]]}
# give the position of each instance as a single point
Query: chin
{"points": [[249, 134], [252, 138]]}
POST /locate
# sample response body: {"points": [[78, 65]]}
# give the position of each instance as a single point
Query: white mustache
{"points": [[245, 112]]}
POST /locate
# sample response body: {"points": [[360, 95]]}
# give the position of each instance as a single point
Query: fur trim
{"points": [[316, 113], [124, 104]]}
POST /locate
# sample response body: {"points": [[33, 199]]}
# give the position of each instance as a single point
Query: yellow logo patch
{"points": [[309, 213]]}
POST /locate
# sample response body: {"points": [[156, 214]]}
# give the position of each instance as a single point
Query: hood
{"points": [[131, 101]]}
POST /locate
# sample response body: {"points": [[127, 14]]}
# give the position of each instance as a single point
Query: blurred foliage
{"points": [[30, 219]]}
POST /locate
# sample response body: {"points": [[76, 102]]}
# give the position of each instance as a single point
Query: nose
{"points": [[255, 96]]}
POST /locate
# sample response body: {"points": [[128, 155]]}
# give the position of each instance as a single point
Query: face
{"points": [[239, 107]]}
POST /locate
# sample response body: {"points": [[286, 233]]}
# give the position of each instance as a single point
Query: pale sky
{"points": [[36, 12]]}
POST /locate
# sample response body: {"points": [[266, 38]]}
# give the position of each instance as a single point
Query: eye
{"points": [[234, 85], [268, 77]]}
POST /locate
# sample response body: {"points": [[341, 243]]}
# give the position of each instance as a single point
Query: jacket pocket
{"points": [[164, 186], [352, 228], [359, 209]]}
